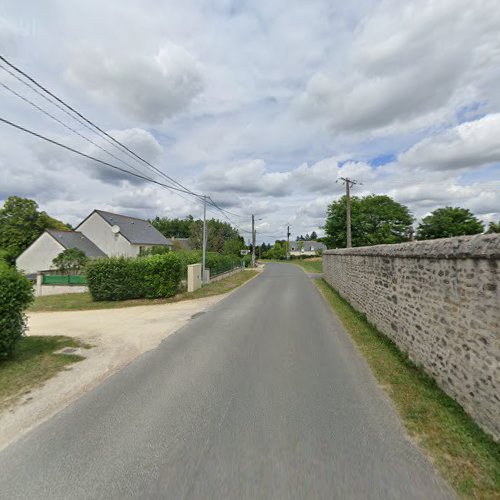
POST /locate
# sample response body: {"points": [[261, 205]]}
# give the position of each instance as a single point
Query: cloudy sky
{"points": [[262, 105]]}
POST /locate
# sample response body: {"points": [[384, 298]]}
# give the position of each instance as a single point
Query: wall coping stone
{"points": [[479, 246]]}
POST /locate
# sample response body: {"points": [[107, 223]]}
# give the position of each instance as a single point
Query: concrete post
{"points": [[39, 281]]}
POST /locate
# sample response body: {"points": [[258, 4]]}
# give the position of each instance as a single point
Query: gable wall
{"points": [[38, 256]]}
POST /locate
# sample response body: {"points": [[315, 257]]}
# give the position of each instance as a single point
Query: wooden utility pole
{"points": [[348, 183], [253, 240], [288, 242]]}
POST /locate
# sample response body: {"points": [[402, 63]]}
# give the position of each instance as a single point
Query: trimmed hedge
{"points": [[16, 294], [122, 278], [219, 264]]}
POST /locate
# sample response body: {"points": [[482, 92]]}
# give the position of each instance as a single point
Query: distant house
{"points": [[101, 234], [39, 255], [298, 248]]}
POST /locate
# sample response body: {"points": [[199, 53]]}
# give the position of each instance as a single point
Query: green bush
{"points": [[121, 278], [115, 278], [16, 293], [154, 250], [188, 257], [162, 275], [247, 260], [218, 263]]}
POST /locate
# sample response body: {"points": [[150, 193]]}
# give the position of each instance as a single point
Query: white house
{"points": [[118, 234], [298, 248], [39, 255], [101, 234]]}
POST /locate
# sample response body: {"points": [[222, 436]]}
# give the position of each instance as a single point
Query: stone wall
{"points": [[439, 301]]}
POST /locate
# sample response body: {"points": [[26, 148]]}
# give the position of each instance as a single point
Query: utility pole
{"points": [[253, 240], [203, 278], [348, 184], [287, 242]]}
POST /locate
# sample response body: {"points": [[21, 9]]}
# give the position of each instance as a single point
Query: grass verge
{"points": [[310, 265], [83, 301], [32, 363], [465, 456]]}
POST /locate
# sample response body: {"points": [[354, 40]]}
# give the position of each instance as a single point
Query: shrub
{"points": [[218, 263], [71, 260], [16, 293], [247, 260], [188, 257], [155, 250], [121, 278], [114, 278], [161, 275]]}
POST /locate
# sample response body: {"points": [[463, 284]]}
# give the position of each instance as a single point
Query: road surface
{"points": [[262, 397]]}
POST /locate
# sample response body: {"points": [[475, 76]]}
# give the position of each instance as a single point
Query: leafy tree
{"points": [[71, 260], [277, 252], [494, 227], [178, 228], [314, 236], [21, 224], [233, 247], [375, 220], [218, 233], [448, 221]]}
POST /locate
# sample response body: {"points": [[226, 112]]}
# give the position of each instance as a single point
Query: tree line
{"points": [[378, 219], [22, 222]]}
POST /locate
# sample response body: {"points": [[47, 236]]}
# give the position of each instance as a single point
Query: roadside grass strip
{"points": [[83, 301], [467, 457], [32, 363], [309, 265]]}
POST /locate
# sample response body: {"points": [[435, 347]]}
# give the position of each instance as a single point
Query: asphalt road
{"points": [[261, 397]]}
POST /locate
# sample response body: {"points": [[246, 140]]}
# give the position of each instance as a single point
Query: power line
{"points": [[80, 115], [90, 157], [25, 99], [90, 125]]}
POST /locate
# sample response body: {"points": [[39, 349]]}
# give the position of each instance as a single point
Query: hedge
{"points": [[16, 293], [122, 278], [218, 263]]}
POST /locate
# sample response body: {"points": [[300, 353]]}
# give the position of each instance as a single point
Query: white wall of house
{"points": [[97, 230], [39, 255]]}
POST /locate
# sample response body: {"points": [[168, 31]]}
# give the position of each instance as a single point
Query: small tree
{"points": [[314, 236], [494, 227], [71, 260], [233, 246], [447, 222]]}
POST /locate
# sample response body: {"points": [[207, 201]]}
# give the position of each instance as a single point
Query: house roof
{"points": [[75, 239], [307, 245], [136, 231]]}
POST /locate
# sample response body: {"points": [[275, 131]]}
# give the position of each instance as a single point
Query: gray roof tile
{"points": [[136, 231], [75, 239]]}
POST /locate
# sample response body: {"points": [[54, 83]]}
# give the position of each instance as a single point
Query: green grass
{"points": [[83, 301], [31, 364], [466, 456], [314, 265]]}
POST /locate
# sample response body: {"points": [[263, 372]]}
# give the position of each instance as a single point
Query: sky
{"points": [[262, 105]]}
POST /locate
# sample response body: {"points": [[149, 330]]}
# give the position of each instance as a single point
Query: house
{"points": [[101, 234], [298, 248], [39, 255], [118, 234]]}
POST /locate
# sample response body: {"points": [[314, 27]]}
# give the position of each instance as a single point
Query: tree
{"points": [[314, 236], [178, 228], [494, 227], [21, 224], [375, 220], [218, 233], [277, 252], [233, 247], [71, 260], [448, 221]]}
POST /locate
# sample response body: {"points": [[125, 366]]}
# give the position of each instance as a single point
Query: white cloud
{"points": [[147, 87], [468, 145]]}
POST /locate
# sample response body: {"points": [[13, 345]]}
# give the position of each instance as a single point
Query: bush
{"points": [[218, 263], [162, 275], [188, 257], [115, 278], [155, 250], [247, 260], [121, 278], [16, 293]]}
